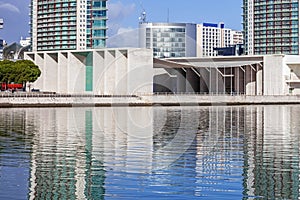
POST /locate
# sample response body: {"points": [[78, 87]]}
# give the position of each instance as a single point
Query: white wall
{"points": [[273, 75], [115, 71]]}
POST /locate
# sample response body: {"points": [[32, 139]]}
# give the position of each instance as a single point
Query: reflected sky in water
{"points": [[150, 153]]}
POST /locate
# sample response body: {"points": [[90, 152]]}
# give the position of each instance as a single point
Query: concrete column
{"points": [[51, 72], [221, 83], [192, 81], [181, 80], [250, 81], [109, 72], [121, 80], [204, 80], [99, 71], [39, 61], [216, 83], [62, 73], [259, 80], [239, 80], [76, 73], [213, 81]]}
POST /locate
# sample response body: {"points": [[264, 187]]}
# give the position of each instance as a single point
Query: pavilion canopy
{"points": [[207, 62]]}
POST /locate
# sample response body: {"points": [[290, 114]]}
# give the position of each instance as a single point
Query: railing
{"points": [[54, 95], [193, 93], [137, 95]]}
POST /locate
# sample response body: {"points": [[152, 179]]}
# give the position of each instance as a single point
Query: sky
{"points": [[124, 14]]}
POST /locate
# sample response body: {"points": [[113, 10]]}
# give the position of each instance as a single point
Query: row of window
{"points": [[167, 44], [166, 30], [168, 54], [168, 49], [168, 39], [182, 35]]}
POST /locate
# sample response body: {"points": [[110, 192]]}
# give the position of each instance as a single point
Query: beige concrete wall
{"points": [[273, 75], [140, 71], [76, 73], [62, 73], [115, 71], [99, 71]]}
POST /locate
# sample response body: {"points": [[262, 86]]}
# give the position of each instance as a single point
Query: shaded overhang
{"points": [[212, 62]]}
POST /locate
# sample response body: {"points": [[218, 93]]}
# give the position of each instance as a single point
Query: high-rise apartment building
{"points": [[271, 26], [68, 24], [211, 36], [168, 39]]}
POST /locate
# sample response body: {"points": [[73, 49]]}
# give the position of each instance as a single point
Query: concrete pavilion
{"points": [[247, 75], [135, 71]]}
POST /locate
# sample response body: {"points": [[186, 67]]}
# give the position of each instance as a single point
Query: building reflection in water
{"points": [[272, 152], [93, 153]]}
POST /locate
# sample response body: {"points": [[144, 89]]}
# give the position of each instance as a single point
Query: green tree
{"points": [[22, 71], [26, 71], [6, 68]]}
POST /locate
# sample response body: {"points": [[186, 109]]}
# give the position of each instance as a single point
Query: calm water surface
{"points": [[150, 153]]}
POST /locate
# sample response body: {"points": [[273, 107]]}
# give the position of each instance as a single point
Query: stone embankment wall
{"points": [[143, 100]]}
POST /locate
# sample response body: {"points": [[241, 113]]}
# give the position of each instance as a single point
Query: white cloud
{"points": [[117, 12], [9, 7], [126, 37]]}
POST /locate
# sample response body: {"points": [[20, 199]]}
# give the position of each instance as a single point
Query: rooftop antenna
{"points": [[143, 16], [168, 17]]}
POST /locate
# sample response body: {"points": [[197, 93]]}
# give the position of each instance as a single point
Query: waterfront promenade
{"points": [[67, 100]]}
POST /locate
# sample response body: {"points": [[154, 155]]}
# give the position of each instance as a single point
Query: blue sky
{"points": [[124, 14]]}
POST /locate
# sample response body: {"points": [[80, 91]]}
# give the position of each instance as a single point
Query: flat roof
{"points": [[211, 62]]}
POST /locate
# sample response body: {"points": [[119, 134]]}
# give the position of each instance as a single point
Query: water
{"points": [[150, 153]]}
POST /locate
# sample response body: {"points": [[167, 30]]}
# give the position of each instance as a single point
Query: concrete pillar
{"points": [[76, 73], [62, 73], [51, 72], [181, 80], [259, 80], [192, 81], [213, 81], [109, 72], [216, 83], [39, 61], [204, 80], [121, 79], [99, 71], [250, 81], [239, 80]]}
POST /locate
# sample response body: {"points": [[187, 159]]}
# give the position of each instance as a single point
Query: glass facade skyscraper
{"points": [[271, 26], [68, 24]]}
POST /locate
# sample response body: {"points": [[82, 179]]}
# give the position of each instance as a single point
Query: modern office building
{"points": [[211, 36], [168, 39], [68, 25], [271, 27]]}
